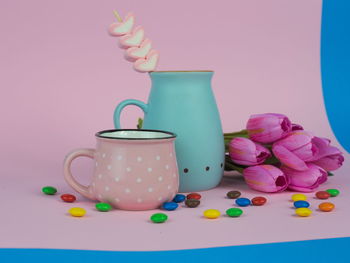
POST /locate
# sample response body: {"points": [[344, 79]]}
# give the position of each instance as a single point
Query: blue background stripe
{"points": [[335, 66], [323, 250]]}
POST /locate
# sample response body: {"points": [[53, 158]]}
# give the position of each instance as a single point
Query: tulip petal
{"points": [[296, 139], [324, 148], [268, 127], [330, 163], [288, 158], [305, 181], [265, 178], [306, 152], [245, 152], [297, 127]]}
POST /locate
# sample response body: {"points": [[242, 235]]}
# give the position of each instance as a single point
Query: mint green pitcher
{"points": [[183, 102]]}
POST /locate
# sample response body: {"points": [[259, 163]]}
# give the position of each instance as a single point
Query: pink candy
{"points": [[138, 49]]}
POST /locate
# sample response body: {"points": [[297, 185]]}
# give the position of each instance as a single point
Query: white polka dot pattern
{"points": [[135, 179]]}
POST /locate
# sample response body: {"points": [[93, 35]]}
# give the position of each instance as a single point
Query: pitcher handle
{"points": [[122, 105], [81, 189]]}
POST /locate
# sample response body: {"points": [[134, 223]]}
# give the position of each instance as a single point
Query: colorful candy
{"points": [[194, 196], [242, 201], [211, 213], [234, 212], [49, 190], [298, 197], [179, 198], [333, 192], [77, 211], [103, 207], [301, 203], [68, 198], [169, 206], [159, 218], [303, 212], [259, 200], [233, 194], [322, 195], [326, 207], [192, 203]]}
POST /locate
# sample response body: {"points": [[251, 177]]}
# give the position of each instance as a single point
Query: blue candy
{"points": [[169, 206], [179, 198], [242, 201], [301, 203]]}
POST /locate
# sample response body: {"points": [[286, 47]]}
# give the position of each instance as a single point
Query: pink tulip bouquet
{"points": [[273, 154]]}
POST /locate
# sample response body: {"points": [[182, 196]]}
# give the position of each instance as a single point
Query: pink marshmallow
{"points": [[133, 39], [134, 53], [147, 64], [122, 28]]}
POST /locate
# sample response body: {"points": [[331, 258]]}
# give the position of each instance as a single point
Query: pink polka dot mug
{"points": [[133, 169]]}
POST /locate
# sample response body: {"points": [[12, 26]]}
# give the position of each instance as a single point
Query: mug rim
{"points": [[99, 134]]}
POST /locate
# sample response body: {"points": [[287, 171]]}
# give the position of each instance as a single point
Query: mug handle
{"points": [[81, 189], [122, 105]]}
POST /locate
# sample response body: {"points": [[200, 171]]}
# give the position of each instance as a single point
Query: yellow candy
{"points": [[303, 211], [77, 211], [299, 197], [211, 213]]}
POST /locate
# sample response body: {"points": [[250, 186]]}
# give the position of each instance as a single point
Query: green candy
{"points": [[330, 174], [103, 207], [159, 218], [333, 192], [49, 190], [234, 212]]}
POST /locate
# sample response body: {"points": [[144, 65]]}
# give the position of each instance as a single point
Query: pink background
{"points": [[62, 76]]}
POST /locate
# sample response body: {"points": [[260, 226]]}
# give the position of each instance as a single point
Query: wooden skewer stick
{"points": [[116, 14]]}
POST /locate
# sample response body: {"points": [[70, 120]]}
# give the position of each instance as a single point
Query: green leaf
{"points": [[330, 174], [139, 123]]}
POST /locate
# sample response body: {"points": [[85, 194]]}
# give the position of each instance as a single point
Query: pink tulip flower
{"points": [[328, 157], [305, 181], [246, 152], [268, 127], [265, 178], [295, 149], [296, 127]]}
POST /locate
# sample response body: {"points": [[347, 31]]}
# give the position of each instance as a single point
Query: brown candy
{"points": [[192, 203], [233, 194]]}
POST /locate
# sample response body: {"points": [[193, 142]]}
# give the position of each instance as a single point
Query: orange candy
{"points": [[326, 207]]}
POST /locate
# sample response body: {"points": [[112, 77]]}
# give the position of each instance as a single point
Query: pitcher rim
{"points": [[174, 71]]}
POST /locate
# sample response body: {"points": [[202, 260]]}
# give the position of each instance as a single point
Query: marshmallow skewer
{"points": [[138, 49], [117, 16]]}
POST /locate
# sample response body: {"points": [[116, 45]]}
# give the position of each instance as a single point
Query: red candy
{"points": [[322, 195], [259, 200], [194, 196], [68, 198]]}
